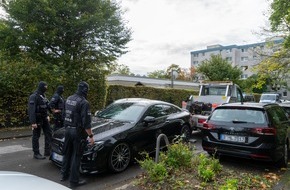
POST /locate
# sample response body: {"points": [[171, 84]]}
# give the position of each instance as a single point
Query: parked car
{"points": [[249, 130], [123, 130], [270, 98], [13, 180]]}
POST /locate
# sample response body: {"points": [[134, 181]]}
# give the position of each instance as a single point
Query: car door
{"points": [[143, 136]]}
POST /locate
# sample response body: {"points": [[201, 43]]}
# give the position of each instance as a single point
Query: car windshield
{"points": [[214, 90], [268, 97], [238, 115], [122, 111]]}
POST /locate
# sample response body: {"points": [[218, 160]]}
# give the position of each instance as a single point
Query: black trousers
{"points": [[58, 122], [42, 123], [73, 150]]}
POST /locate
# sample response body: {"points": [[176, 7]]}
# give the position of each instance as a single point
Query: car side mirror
{"points": [[149, 119], [96, 113]]}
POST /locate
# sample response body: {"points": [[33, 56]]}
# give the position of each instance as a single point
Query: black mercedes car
{"points": [[249, 130], [123, 130]]}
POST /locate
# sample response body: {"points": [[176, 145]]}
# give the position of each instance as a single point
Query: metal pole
{"points": [[171, 78]]}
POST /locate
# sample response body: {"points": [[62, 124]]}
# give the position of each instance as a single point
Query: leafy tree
{"points": [[274, 71], [120, 69], [249, 85], [280, 19], [171, 68], [75, 35], [160, 74], [218, 69]]}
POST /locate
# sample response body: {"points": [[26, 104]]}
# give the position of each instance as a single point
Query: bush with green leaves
{"points": [[208, 167]]}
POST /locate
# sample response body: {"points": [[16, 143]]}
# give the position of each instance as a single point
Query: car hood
{"points": [[103, 128], [24, 181]]}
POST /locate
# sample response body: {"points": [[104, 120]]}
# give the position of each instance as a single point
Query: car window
{"points": [[123, 111], [238, 115], [277, 114], [155, 111], [168, 109]]}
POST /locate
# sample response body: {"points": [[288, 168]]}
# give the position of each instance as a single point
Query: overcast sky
{"points": [[165, 31]]}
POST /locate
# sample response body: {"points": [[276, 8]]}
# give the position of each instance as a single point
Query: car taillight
{"points": [[208, 126], [264, 131], [214, 105], [201, 120]]}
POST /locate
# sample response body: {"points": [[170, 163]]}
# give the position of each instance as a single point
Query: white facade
{"points": [[244, 56]]}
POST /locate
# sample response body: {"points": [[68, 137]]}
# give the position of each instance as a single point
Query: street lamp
{"points": [[174, 75]]}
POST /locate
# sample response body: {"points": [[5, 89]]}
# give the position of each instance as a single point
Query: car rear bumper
{"points": [[266, 152]]}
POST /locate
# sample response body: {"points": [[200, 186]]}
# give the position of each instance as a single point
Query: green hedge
{"points": [[13, 107], [175, 96]]}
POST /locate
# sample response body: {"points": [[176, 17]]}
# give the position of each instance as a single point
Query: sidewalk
{"points": [[283, 184]]}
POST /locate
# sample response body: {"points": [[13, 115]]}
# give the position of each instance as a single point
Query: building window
{"points": [[203, 54], [244, 58], [195, 62], [228, 50], [284, 93], [195, 55], [229, 58], [244, 76], [244, 50]]}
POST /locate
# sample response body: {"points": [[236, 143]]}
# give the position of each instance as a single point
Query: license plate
{"points": [[57, 157], [233, 138]]}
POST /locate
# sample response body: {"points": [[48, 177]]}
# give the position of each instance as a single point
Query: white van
{"points": [[270, 98]]}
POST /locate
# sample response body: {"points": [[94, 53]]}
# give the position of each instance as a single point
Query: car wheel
{"points": [[283, 162], [119, 157], [185, 133]]}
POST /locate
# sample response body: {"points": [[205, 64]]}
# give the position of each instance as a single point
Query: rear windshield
{"points": [[214, 90], [239, 115], [269, 97]]}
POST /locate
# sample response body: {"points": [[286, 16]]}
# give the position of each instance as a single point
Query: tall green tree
{"points": [[273, 71], [218, 69], [75, 35], [280, 19]]}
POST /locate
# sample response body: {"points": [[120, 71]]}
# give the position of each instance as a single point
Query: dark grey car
{"points": [[249, 130]]}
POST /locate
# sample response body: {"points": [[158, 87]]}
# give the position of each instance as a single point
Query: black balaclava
{"points": [[60, 90], [42, 87], [83, 89]]}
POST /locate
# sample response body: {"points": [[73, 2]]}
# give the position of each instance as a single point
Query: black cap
{"points": [[83, 88], [42, 87], [60, 89]]}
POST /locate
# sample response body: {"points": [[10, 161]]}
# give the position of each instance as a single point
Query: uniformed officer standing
{"points": [[57, 107], [77, 124], [39, 119]]}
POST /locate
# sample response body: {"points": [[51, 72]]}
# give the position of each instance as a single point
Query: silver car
{"points": [[18, 180]]}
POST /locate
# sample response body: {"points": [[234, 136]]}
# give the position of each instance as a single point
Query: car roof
{"points": [[143, 101], [248, 105]]}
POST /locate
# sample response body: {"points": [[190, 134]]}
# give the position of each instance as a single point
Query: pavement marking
{"points": [[12, 149]]}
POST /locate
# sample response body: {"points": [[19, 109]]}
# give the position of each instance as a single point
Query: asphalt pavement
{"points": [[21, 132]]}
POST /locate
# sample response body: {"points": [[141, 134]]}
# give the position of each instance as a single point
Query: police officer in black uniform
{"points": [[38, 116], [77, 124], [56, 105]]}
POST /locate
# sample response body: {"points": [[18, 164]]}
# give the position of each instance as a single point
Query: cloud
{"points": [[165, 31]]}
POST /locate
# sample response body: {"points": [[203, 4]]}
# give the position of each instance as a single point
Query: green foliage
{"points": [[78, 35], [178, 155], [160, 74], [175, 96], [157, 171], [208, 168], [231, 184], [219, 69], [280, 19], [273, 71]]}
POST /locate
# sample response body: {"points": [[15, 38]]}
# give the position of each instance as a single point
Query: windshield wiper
{"points": [[237, 121]]}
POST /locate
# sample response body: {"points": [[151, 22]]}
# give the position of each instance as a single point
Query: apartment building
{"points": [[243, 56]]}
